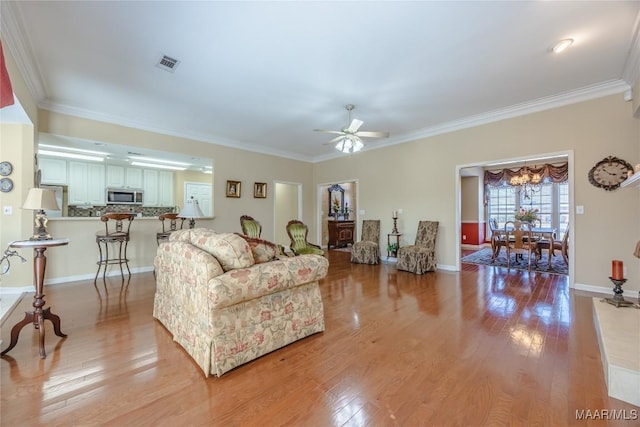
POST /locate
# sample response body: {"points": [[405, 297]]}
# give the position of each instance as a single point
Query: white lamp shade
{"points": [[191, 210], [41, 199]]}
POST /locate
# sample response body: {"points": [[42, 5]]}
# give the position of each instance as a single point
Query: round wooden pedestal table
{"points": [[38, 315]]}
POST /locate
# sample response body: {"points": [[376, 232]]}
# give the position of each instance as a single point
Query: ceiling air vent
{"points": [[168, 64]]}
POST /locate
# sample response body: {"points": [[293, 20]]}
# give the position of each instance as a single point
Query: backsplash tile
{"points": [[77, 211]]}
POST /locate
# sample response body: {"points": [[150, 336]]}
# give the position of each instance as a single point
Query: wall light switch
{"points": [[580, 209], [400, 211], [7, 210], [360, 211]]}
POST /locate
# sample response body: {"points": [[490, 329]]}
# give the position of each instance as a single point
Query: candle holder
{"points": [[395, 226], [618, 300]]}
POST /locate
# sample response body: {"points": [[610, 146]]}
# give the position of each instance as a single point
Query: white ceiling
{"points": [[262, 75]]}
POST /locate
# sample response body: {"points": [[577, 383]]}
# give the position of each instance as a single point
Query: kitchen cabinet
{"points": [[54, 171], [165, 188], [133, 177], [150, 188], [86, 184], [123, 177], [340, 233], [158, 188]]}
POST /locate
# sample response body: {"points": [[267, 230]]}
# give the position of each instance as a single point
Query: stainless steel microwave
{"points": [[124, 196]]}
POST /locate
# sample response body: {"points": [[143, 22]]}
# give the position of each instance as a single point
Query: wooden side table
{"points": [[38, 315], [390, 237]]}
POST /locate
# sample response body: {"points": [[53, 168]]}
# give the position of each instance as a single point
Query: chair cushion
{"points": [[308, 250], [262, 250]]}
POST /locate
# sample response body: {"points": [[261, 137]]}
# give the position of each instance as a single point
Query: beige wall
{"points": [[424, 179], [469, 206]]}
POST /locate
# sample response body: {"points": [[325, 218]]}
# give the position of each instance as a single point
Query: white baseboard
{"points": [[608, 291]]}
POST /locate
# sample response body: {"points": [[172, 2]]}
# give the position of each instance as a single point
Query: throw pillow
{"points": [[262, 250]]}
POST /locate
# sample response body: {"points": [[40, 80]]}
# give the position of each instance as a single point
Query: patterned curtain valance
{"points": [[548, 173]]}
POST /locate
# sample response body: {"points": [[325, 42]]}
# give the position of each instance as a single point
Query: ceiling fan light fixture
{"points": [[349, 144], [562, 45]]}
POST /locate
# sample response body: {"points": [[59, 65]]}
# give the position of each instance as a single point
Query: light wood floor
{"points": [[482, 347]]}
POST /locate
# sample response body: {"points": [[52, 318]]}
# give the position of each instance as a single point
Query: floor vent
{"points": [[168, 64]]}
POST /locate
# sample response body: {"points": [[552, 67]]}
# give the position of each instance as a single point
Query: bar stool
{"points": [[117, 233], [163, 236]]}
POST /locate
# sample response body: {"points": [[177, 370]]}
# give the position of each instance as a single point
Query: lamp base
{"points": [[40, 230]]}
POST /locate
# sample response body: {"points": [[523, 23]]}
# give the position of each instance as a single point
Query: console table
{"points": [[38, 315], [341, 233]]}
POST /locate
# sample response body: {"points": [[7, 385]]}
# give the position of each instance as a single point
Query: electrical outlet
{"points": [[464, 237], [580, 209]]}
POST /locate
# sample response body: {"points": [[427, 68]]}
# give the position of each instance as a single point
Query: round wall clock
{"points": [[609, 173], [6, 168], [6, 185]]}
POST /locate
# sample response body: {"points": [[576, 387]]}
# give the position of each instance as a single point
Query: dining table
{"points": [[548, 233]]}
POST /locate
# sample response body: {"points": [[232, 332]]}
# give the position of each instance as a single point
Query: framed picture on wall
{"points": [[233, 188], [260, 190]]}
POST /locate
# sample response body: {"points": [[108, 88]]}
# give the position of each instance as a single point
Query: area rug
{"points": [[483, 257]]}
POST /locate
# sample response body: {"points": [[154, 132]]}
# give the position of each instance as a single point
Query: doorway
{"points": [[462, 171], [287, 206]]}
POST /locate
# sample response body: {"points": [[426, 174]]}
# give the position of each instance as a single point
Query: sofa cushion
{"points": [[262, 250], [231, 250]]}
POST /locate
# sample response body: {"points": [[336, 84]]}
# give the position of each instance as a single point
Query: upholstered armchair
{"points": [[298, 232], [421, 257], [367, 250], [250, 227]]}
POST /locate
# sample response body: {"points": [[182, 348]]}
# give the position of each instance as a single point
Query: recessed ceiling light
{"points": [[562, 45]]}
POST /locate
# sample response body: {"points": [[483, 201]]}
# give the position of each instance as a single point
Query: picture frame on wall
{"points": [[260, 190], [233, 188]]}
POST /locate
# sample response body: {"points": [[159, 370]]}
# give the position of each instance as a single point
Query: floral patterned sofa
{"points": [[228, 299]]}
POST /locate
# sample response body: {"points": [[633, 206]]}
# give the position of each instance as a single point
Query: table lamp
{"points": [[39, 199], [191, 211]]}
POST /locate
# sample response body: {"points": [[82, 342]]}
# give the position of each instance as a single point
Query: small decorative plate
{"points": [[6, 185], [6, 168]]}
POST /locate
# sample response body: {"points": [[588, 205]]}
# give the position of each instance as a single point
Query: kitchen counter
{"points": [[77, 261]]}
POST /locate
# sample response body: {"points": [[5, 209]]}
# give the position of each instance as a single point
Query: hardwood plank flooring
{"points": [[481, 347]]}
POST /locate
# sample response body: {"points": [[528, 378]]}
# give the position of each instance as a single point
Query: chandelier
{"points": [[349, 144], [527, 183]]}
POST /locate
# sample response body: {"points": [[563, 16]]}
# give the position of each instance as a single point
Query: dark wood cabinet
{"points": [[341, 233]]}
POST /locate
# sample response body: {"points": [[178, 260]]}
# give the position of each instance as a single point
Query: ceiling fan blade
{"points": [[354, 126], [339, 132], [334, 140], [372, 134]]}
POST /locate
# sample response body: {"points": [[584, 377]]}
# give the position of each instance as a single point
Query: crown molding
{"points": [[14, 37], [579, 95]]}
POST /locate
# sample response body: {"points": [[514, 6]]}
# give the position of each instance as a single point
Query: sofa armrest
{"points": [[245, 284]]}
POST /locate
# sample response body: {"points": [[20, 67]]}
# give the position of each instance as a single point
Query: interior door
{"points": [[202, 193]]}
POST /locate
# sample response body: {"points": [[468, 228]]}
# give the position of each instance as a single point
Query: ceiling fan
{"points": [[348, 139]]}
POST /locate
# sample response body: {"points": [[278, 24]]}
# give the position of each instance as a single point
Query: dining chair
{"points": [[562, 246], [498, 238], [519, 241]]}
